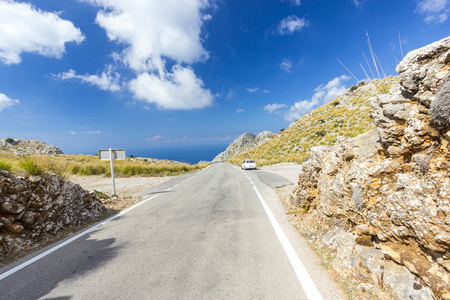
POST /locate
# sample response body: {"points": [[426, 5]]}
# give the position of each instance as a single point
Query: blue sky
{"points": [[92, 74]]}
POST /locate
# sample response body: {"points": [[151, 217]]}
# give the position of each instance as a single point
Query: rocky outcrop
{"points": [[382, 200], [34, 208], [244, 143], [27, 147]]}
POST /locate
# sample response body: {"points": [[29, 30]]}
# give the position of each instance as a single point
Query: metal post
{"points": [[112, 171]]}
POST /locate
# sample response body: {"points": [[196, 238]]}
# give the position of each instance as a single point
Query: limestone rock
{"points": [[390, 187], [31, 210], [27, 147], [242, 144]]}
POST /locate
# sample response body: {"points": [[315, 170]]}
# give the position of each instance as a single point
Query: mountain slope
{"points": [[242, 144], [345, 117], [27, 147]]}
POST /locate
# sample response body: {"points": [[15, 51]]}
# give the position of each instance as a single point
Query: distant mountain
{"points": [[344, 117], [27, 147], [243, 144]]}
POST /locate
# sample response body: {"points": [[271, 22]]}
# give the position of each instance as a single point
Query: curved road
{"points": [[210, 235]]}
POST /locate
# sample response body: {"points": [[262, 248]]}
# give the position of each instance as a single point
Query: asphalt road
{"points": [[199, 236]]}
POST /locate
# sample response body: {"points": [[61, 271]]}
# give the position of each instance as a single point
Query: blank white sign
{"points": [[118, 154]]}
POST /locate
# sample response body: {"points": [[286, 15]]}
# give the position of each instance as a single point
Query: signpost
{"points": [[111, 155]]}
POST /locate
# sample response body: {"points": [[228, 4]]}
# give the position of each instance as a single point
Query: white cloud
{"points": [[266, 91], [434, 10], [358, 3], [24, 28], [294, 2], [252, 90], [322, 95], [271, 108], [73, 132], [6, 102], [153, 34], [153, 30], [159, 139], [291, 24], [231, 94], [146, 107], [93, 132], [180, 89], [286, 65], [240, 110], [108, 80]]}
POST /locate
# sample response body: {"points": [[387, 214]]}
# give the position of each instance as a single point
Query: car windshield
{"points": [[251, 161]]}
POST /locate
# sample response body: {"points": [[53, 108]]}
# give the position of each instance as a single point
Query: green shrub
{"points": [[9, 140]]}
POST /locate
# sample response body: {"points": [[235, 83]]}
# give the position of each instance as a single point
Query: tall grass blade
{"points": [[368, 79], [349, 71], [400, 42], [373, 76], [373, 55], [380, 66]]}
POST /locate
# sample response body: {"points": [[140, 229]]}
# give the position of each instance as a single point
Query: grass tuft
{"points": [[4, 166], [30, 165]]}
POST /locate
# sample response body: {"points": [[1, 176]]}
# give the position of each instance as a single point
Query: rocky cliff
{"points": [[242, 144], [34, 208], [382, 200], [27, 147]]}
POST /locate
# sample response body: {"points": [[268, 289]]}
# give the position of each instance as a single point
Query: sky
{"points": [[85, 75]]}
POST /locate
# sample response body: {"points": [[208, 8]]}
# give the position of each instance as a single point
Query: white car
{"points": [[248, 164]]}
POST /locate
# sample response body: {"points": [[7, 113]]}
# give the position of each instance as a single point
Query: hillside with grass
{"points": [[344, 117], [79, 164]]}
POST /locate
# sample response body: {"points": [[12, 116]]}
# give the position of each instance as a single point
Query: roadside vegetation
{"points": [[65, 165], [344, 117]]}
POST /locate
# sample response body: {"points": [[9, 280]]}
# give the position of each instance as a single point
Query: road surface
{"points": [[209, 235]]}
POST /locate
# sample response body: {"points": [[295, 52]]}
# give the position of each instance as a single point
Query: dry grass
{"points": [[347, 116], [65, 165]]}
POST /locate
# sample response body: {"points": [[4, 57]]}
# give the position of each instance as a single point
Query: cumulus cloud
{"points": [[6, 102], [322, 94], [434, 10], [108, 80], [155, 33], [180, 89], [154, 30], [24, 28], [271, 108], [286, 65], [291, 24], [252, 90]]}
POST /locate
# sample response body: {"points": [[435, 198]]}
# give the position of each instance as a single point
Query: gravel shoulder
{"points": [[289, 171], [125, 186]]}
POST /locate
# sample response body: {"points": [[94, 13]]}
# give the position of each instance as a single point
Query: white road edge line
{"points": [[44, 254], [306, 281]]}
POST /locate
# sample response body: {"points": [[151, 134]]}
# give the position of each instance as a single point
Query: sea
{"points": [[191, 154]]}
